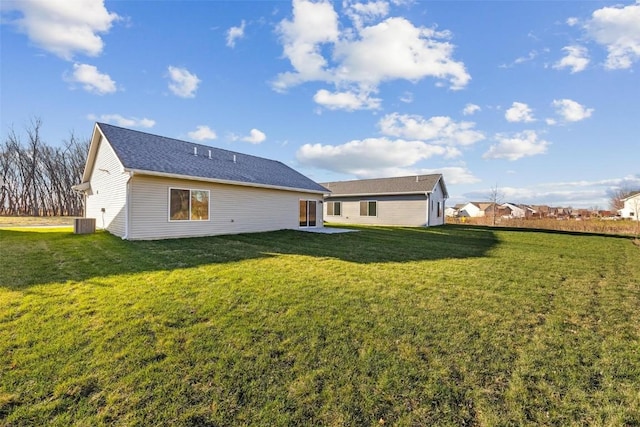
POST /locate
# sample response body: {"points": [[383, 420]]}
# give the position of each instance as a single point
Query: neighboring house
{"points": [[631, 208], [473, 209], [511, 210], [541, 211], [143, 186], [408, 201], [451, 212]]}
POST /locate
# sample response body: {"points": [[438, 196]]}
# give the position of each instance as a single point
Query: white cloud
{"points": [[358, 59], [396, 49], [346, 100], [530, 57], [519, 112], [255, 137], [517, 146], [522, 59], [577, 59], [202, 133], [313, 24], [571, 111], [572, 21], [91, 79], [453, 175], [407, 97], [235, 33], [64, 28], [361, 13], [378, 156], [183, 83], [117, 119], [470, 109], [438, 130], [618, 29]]}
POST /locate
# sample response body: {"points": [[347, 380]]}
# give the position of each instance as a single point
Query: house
{"points": [[474, 209], [406, 201], [451, 212], [470, 210], [631, 207], [511, 210], [541, 211], [143, 186]]}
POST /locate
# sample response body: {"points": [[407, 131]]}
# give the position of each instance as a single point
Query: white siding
{"points": [[396, 210], [631, 208], [436, 217], [107, 201], [232, 209]]}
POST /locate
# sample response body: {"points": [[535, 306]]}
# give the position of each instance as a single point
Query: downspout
{"points": [[128, 207]]}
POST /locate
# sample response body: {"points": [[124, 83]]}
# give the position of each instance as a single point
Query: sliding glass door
{"points": [[307, 213]]}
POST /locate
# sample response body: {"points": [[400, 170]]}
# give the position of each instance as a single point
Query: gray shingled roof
{"points": [[380, 186], [158, 154]]}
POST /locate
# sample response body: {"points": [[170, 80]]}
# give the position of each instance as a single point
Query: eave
{"points": [[222, 181]]}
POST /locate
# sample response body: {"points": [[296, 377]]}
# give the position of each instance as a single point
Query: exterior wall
{"points": [[232, 209], [436, 215], [108, 197], [408, 210], [631, 208]]}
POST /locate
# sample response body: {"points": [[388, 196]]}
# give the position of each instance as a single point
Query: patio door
{"points": [[307, 213]]}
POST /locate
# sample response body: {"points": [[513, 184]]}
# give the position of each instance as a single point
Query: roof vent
{"points": [[209, 153], [417, 180], [234, 158], [195, 151]]}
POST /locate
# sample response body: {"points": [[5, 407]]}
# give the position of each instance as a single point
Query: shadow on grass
{"points": [[32, 257]]}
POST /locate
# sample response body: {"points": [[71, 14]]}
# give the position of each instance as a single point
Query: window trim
{"points": [[334, 208], [189, 219], [368, 202]]}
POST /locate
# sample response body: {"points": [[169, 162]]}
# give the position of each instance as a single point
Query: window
{"points": [[439, 209], [334, 208], [188, 205], [368, 208]]}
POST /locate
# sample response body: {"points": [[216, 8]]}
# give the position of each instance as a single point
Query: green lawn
{"points": [[451, 325]]}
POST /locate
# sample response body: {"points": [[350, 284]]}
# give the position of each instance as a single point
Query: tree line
{"points": [[36, 178]]}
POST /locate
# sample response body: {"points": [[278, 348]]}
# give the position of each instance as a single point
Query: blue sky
{"points": [[538, 98]]}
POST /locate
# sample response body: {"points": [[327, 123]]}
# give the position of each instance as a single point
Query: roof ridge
{"points": [[389, 177]]}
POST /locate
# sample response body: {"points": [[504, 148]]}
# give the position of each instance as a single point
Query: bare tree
{"points": [[495, 197], [616, 195], [36, 179]]}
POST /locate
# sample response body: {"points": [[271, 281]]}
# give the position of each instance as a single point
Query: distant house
{"points": [[512, 210], [631, 208], [474, 209], [408, 201], [143, 186], [541, 211], [451, 212]]}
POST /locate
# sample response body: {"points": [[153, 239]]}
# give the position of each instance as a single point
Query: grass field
{"points": [[36, 221], [454, 325], [590, 225]]}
